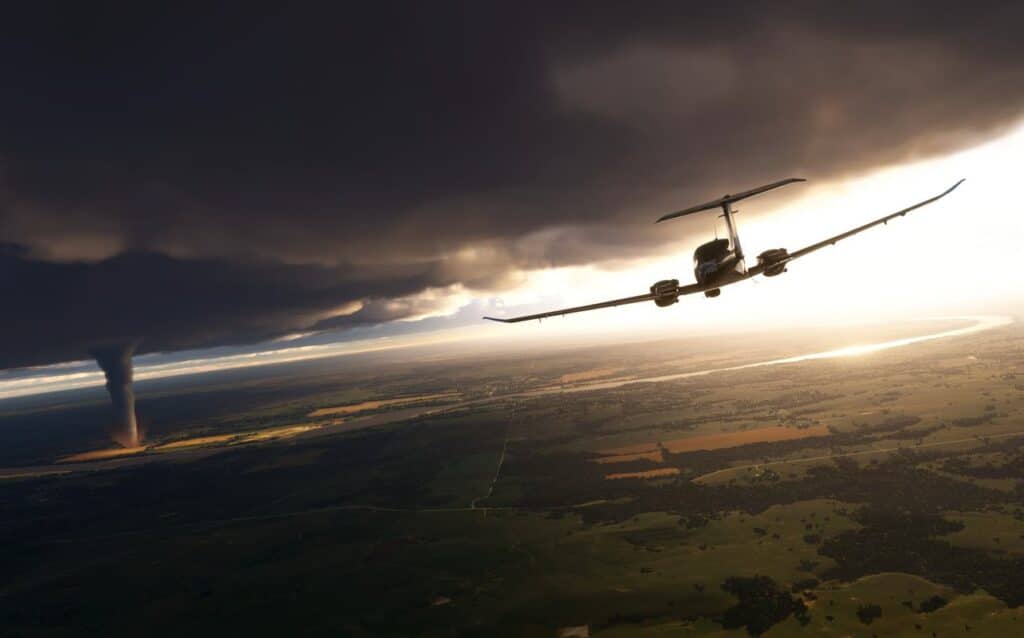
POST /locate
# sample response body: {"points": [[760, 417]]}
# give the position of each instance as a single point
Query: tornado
{"points": [[116, 362]]}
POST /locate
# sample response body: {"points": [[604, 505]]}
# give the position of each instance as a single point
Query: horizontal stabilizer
{"points": [[721, 201]]}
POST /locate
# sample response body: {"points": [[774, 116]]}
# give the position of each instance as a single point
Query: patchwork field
{"points": [[717, 441], [366, 406]]}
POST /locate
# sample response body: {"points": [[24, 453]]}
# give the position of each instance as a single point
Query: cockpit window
{"points": [[711, 251]]}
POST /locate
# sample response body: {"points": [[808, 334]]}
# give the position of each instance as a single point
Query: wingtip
{"points": [[954, 186], [497, 319]]}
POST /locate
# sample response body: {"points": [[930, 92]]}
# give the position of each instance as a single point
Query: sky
{"points": [[220, 183]]}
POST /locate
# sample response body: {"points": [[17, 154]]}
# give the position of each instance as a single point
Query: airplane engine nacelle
{"points": [[666, 292], [773, 261]]}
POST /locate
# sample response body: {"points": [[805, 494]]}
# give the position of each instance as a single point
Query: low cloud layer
{"points": [[191, 179]]}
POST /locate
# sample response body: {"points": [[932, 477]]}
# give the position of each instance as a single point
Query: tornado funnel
{"points": [[116, 362]]}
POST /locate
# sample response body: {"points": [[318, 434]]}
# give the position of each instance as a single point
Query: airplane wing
{"points": [[681, 290], [758, 269]]}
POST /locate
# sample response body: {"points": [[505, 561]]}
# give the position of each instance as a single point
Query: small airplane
{"points": [[720, 262]]}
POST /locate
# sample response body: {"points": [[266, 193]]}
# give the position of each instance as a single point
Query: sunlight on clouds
{"points": [[292, 337], [435, 302], [349, 308], [951, 257]]}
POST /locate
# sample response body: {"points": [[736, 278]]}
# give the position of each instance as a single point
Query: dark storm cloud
{"points": [[236, 175], [58, 310]]}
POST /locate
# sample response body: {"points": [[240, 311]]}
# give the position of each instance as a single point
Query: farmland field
{"points": [[872, 493]]}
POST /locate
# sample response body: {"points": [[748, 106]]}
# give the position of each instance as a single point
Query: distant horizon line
{"points": [[80, 380]]}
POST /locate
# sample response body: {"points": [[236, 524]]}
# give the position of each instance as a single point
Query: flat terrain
{"points": [[537, 495]]}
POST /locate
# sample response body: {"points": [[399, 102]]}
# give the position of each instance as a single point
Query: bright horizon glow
{"points": [[64, 381], [71, 381]]}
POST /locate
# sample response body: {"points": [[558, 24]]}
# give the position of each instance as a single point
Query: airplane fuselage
{"points": [[716, 264]]}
